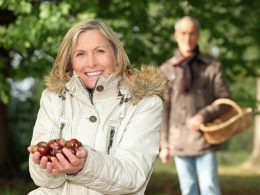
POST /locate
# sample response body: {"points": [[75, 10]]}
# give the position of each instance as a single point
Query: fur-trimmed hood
{"points": [[147, 81]]}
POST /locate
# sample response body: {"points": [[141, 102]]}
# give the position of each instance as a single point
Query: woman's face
{"points": [[93, 57]]}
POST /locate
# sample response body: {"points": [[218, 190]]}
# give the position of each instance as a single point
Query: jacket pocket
{"points": [[112, 131], [110, 139]]}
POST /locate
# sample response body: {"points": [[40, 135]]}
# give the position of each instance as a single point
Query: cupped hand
{"points": [[37, 158], [69, 163]]}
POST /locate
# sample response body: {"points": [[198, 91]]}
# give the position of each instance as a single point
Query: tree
{"points": [[7, 17], [254, 159]]}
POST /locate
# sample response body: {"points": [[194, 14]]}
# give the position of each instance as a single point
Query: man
{"points": [[195, 81]]}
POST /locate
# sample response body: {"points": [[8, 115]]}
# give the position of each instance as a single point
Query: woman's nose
{"points": [[91, 61]]}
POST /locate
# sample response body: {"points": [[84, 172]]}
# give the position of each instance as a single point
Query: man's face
{"points": [[187, 36]]}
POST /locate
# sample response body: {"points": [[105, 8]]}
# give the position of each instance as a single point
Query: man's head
{"points": [[187, 34]]}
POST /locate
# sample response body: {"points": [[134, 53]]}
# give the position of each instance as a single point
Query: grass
{"points": [[234, 180], [164, 181]]}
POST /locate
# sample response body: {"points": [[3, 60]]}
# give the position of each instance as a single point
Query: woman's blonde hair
{"points": [[62, 67]]}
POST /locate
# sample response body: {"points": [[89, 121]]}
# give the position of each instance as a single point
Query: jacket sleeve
{"points": [[43, 131], [164, 136], [220, 90], [129, 168]]}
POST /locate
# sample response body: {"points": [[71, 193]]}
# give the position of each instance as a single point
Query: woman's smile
{"points": [[94, 73]]}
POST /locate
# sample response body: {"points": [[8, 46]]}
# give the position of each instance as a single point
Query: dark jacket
{"points": [[208, 84]]}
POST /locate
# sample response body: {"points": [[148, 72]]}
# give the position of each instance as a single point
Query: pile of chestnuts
{"points": [[55, 146]]}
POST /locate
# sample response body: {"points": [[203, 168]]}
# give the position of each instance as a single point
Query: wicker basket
{"points": [[228, 124]]}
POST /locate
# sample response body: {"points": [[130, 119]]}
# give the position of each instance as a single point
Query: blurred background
{"points": [[30, 34]]}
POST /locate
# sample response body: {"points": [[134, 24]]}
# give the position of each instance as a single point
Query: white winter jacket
{"points": [[119, 126]]}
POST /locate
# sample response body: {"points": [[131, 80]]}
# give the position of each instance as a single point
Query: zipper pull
{"points": [[62, 125], [111, 137]]}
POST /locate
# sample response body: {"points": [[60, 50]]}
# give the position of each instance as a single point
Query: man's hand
{"points": [[165, 155], [195, 122]]}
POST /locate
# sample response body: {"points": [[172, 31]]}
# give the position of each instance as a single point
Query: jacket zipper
{"points": [[90, 93], [111, 137], [62, 125], [91, 96]]}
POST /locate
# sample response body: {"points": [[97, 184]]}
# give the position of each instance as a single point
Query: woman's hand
{"points": [[37, 158], [67, 163]]}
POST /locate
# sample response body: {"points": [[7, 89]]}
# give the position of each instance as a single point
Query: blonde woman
{"points": [[93, 95]]}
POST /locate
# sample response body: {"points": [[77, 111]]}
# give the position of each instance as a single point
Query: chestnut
{"points": [[43, 150], [74, 143], [54, 146], [42, 143]]}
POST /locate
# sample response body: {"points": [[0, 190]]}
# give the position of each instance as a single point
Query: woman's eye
{"points": [[79, 54], [100, 51]]}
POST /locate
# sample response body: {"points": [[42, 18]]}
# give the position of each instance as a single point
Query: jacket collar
{"points": [[133, 86], [202, 58], [105, 87]]}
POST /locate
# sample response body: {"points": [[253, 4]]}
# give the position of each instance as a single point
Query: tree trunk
{"points": [[254, 159], [3, 134], [8, 167]]}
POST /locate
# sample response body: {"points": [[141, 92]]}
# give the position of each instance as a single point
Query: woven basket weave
{"points": [[229, 123]]}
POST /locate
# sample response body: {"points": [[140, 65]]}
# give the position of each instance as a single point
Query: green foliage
{"points": [[23, 112], [4, 93], [145, 27], [243, 91]]}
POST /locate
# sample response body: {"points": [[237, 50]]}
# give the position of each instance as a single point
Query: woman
{"points": [[93, 95]]}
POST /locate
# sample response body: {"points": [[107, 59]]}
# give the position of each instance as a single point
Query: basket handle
{"points": [[229, 102]]}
